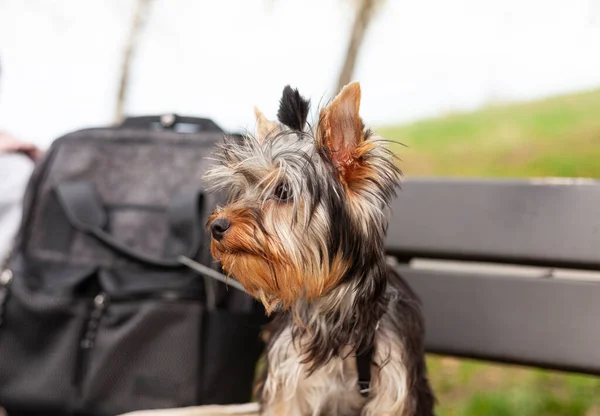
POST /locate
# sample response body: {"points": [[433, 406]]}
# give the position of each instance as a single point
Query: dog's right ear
{"points": [[264, 126], [340, 130]]}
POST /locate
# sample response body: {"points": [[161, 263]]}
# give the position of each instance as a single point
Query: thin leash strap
{"points": [[208, 272], [213, 274]]}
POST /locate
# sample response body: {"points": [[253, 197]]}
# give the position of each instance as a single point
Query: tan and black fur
{"points": [[304, 232]]}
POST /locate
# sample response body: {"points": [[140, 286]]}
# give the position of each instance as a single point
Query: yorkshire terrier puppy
{"points": [[303, 231]]}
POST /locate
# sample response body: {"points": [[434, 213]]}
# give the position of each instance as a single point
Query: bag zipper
{"points": [[89, 337], [6, 276], [88, 340]]}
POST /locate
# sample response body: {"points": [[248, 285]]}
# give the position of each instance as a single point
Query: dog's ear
{"points": [[340, 130], [293, 109], [264, 126]]}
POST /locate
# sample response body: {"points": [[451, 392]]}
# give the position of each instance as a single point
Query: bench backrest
{"points": [[547, 315]]}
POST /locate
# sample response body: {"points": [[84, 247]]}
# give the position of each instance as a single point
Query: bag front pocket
{"points": [[144, 355]]}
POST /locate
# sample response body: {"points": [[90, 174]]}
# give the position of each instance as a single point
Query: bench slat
{"points": [[541, 322], [543, 222]]}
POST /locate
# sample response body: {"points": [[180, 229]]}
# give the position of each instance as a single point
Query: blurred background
{"points": [[470, 88]]}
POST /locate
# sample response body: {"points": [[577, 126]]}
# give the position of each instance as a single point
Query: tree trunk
{"points": [[140, 15], [364, 14]]}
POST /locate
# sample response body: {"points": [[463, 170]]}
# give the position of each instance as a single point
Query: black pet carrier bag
{"points": [[97, 314]]}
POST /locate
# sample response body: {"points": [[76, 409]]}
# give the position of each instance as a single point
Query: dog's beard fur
{"points": [[315, 250], [276, 262]]}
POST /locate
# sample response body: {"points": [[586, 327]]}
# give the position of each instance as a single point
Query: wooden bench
{"points": [[506, 270]]}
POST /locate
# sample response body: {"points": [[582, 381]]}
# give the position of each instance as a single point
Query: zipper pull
{"points": [[5, 278], [100, 303]]}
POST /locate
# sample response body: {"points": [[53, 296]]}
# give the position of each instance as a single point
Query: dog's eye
{"points": [[283, 192]]}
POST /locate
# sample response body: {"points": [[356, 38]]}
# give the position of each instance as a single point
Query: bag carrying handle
{"points": [[173, 122], [84, 211]]}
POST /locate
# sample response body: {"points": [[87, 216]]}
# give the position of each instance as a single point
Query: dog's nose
{"points": [[219, 227]]}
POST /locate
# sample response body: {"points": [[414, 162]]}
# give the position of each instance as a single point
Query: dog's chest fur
{"points": [[399, 385], [331, 389]]}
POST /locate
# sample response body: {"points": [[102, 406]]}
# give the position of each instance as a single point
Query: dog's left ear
{"points": [[293, 109], [264, 126], [340, 129]]}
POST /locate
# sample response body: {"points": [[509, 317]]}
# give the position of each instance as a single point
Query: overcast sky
{"points": [[61, 58]]}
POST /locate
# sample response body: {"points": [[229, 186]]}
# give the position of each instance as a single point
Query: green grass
{"points": [[469, 388], [558, 137]]}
